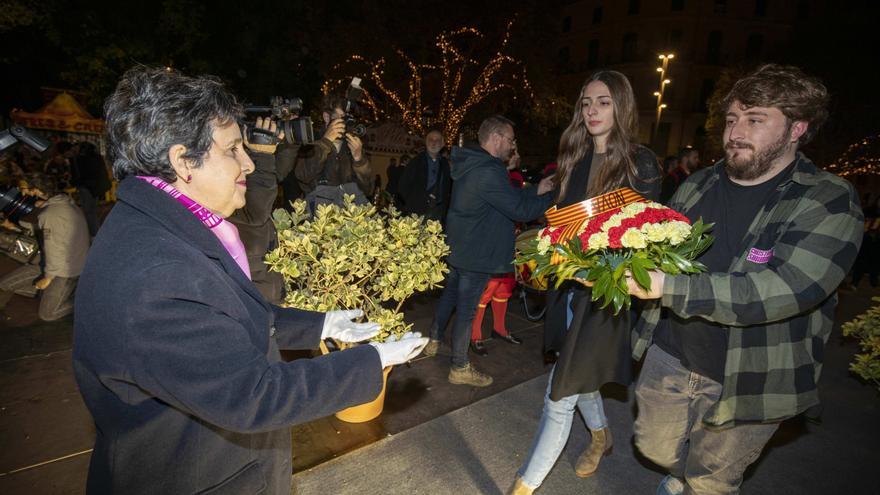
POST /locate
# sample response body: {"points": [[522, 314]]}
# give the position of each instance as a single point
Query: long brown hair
{"points": [[576, 142]]}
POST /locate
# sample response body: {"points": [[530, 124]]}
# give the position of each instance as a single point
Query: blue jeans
{"points": [[461, 294], [555, 426], [669, 429]]}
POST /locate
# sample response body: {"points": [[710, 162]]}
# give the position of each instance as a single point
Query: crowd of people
{"points": [[178, 325]]}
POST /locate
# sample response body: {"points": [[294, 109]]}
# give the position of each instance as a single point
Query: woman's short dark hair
{"points": [[153, 109]]}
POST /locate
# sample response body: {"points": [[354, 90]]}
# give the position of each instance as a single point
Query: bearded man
{"points": [[741, 349]]}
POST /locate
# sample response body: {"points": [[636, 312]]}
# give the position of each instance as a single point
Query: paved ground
{"points": [[46, 431], [477, 449]]}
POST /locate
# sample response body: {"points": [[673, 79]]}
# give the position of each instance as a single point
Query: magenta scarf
{"points": [[225, 232]]}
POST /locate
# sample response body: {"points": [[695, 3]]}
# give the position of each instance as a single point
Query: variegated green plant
{"points": [[866, 328], [354, 257]]}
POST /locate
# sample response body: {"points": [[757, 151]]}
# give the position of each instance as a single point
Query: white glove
{"points": [[338, 325], [394, 351]]}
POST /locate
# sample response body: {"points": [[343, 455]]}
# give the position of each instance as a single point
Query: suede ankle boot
{"points": [[601, 445], [520, 488]]}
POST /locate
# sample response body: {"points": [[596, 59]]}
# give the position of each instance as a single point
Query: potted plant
{"points": [[866, 328], [355, 256]]}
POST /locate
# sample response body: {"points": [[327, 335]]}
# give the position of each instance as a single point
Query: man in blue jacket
{"points": [[480, 233]]}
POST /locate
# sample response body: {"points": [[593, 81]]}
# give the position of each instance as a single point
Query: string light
{"points": [[501, 72], [860, 158]]}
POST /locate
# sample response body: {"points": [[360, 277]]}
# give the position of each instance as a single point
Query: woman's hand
{"points": [[338, 325]]}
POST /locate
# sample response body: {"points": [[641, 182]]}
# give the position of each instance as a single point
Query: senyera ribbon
{"points": [[572, 218]]}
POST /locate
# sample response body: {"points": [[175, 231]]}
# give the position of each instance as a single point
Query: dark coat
{"points": [[482, 212], [320, 164], [254, 220], [176, 360], [596, 348], [413, 192]]}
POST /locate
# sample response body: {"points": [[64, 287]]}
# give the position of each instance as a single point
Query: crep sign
{"points": [[76, 125]]}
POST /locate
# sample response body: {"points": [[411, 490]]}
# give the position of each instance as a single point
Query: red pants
{"points": [[498, 290]]}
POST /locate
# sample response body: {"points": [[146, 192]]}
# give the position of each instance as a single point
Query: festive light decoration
{"points": [[860, 158], [419, 112]]}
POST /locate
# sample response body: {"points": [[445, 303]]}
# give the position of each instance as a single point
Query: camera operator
{"points": [[336, 164], [273, 163], [62, 228]]}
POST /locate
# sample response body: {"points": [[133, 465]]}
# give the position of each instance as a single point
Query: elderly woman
{"points": [[175, 351]]}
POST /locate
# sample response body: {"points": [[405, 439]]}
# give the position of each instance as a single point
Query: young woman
{"points": [[597, 154]]}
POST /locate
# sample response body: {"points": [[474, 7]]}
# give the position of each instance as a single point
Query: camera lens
{"points": [[14, 205]]}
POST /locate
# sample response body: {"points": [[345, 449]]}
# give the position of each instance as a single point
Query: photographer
{"points": [[89, 177], [335, 164], [65, 244], [254, 220]]}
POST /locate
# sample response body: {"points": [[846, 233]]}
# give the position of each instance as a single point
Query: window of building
{"points": [[803, 10], [677, 5], [720, 6], [634, 7], [564, 56], [597, 15], [713, 50], [760, 8], [593, 53], [630, 47], [566, 24], [673, 39], [754, 45], [706, 91]]}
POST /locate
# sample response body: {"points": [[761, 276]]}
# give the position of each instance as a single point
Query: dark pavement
{"points": [[47, 432]]}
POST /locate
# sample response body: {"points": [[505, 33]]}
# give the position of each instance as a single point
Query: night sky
{"points": [[290, 48]]}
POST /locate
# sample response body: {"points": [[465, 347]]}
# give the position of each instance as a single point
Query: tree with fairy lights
{"points": [[466, 71], [860, 158]]}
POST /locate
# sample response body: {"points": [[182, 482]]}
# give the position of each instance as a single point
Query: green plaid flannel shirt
{"points": [[778, 313]]}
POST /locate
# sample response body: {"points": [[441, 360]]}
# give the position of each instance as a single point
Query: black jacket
{"points": [[595, 349], [176, 356], [320, 163], [413, 191], [254, 220], [482, 212]]}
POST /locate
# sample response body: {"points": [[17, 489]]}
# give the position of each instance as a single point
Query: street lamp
{"points": [[664, 58]]}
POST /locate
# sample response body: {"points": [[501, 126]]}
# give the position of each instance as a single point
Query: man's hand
{"points": [[656, 292], [547, 184], [43, 282], [338, 325], [335, 130], [268, 125], [10, 226], [356, 146]]}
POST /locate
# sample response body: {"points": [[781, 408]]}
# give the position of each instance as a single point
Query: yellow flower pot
{"points": [[368, 410]]}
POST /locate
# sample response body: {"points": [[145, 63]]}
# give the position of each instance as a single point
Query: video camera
{"points": [[14, 204], [297, 130], [353, 96]]}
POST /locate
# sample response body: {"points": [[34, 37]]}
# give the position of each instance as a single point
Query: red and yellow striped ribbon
{"points": [[575, 216]]}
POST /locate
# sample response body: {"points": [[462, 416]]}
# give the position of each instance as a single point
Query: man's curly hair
{"points": [[797, 95]]}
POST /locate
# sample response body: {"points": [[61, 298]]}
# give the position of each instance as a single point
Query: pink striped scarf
{"points": [[225, 232]]}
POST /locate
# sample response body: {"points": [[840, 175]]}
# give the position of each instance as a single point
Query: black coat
{"points": [[176, 356], [482, 212], [412, 188], [320, 164], [596, 348]]}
